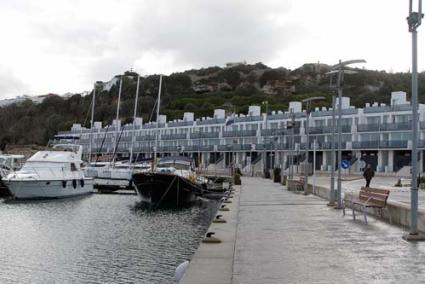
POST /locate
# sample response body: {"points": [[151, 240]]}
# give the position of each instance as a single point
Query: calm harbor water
{"points": [[97, 239]]}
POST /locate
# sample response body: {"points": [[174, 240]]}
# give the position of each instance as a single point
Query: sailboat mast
{"points": [[134, 119], [92, 121], [157, 120], [117, 118]]}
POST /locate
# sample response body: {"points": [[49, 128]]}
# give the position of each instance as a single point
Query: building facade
{"points": [[377, 134]]}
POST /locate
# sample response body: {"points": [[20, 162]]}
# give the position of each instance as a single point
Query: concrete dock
{"points": [[276, 236]]}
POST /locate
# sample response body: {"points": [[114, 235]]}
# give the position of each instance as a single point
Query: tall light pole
{"points": [[414, 21], [307, 146], [332, 193], [292, 146], [340, 70], [266, 103]]}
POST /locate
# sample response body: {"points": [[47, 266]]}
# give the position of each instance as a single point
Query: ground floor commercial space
{"points": [[381, 160]]}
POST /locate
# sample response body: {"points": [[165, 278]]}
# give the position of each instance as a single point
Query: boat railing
{"points": [[58, 173]]}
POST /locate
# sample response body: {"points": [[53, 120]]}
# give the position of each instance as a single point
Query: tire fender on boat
{"points": [[64, 183], [74, 183]]}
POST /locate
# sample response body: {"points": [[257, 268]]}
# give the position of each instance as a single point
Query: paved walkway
{"points": [[283, 237]]}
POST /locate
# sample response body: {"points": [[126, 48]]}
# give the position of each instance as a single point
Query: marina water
{"points": [[97, 239]]}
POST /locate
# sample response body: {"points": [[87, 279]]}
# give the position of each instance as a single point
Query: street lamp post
{"points": [[332, 185], [414, 21], [340, 70], [266, 103], [292, 146], [307, 110], [332, 197]]}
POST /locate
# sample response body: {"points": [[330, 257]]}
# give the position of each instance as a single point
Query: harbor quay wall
{"points": [[395, 213], [216, 256]]}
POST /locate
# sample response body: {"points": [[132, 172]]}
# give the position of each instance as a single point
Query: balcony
{"points": [[248, 118], [145, 137], [130, 127], [103, 140], [153, 125], [209, 148], [235, 147], [328, 145], [368, 127], [211, 121], [240, 133], [393, 144], [180, 123], [395, 126], [377, 109], [173, 136], [125, 138], [198, 135], [275, 132], [346, 111], [365, 145]]}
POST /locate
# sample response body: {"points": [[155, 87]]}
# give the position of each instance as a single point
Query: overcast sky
{"points": [[61, 46]]}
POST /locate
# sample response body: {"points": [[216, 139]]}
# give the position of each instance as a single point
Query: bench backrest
{"points": [[374, 195]]}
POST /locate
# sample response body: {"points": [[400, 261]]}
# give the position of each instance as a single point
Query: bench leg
{"points": [[354, 213], [365, 214]]}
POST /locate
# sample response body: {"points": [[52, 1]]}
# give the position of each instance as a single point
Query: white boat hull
{"points": [[40, 189], [111, 178]]}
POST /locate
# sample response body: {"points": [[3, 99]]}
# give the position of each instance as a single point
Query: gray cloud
{"points": [[196, 33], [94, 40], [211, 32]]}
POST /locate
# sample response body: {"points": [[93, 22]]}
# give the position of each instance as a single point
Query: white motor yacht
{"points": [[50, 174], [8, 164]]}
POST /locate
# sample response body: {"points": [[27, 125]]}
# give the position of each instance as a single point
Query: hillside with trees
{"points": [[199, 91]]}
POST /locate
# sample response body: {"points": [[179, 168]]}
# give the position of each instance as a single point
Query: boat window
{"points": [[73, 167]]}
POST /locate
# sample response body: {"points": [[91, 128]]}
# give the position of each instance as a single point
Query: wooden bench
{"points": [[370, 198], [299, 184], [296, 185]]}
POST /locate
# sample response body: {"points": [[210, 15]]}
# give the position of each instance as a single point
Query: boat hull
{"points": [[4, 191], [161, 190], [110, 179], [44, 189]]}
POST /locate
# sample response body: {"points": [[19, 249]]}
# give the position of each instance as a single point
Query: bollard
{"points": [[218, 219], [210, 239], [223, 208]]}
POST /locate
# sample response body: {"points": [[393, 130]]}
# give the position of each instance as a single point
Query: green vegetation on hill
{"points": [[199, 91]]}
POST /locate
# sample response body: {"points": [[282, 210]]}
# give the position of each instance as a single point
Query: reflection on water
{"points": [[97, 239]]}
